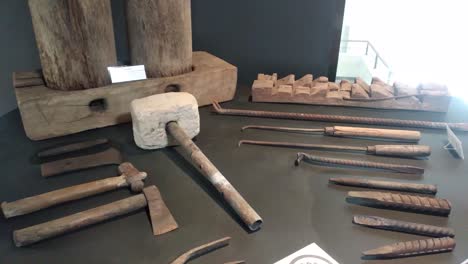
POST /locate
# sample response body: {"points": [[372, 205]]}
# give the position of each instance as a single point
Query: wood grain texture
{"points": [[408, 135], [48, 113], [76, 42], [160, 36], [358, 94], [33, 234]]}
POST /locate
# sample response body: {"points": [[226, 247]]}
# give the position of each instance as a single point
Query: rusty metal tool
{"points": [[357, 163], [160, 216], [411, 248], [72, 148], [386, 185], [406, 151], [402, 226], [202, 250], [401, 202], [343, 131], [110, 156], [340, 119], [130, 177], [248, 215]]}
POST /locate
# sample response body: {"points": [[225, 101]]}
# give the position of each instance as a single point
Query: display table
{"points": [[296, 203]]}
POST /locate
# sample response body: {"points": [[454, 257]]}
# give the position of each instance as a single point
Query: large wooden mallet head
{"points": [[150, 116]]}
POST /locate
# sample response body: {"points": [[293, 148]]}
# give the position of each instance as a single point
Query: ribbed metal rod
{"points": [[302, 145], [286, 129], [340, 119]]}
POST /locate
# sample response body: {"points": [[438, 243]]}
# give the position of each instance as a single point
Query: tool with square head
{"points": [[130, 177], [160, 216], [172, 118], [204, 249], [405, 151], [344, 131]]}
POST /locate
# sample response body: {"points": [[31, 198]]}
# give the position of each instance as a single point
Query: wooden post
{"points": [[76, 42], [160, 36]]}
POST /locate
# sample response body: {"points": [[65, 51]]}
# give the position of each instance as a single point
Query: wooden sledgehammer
{"points": [[161, 218], [130, 176]]}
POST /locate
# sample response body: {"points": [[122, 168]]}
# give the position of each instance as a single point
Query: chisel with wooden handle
{"points": [[130, 176], [344, 131], [407, 151]]}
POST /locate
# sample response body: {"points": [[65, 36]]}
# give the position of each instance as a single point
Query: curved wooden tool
{"points": [[130, 176], [108, 157], [344, 131], [402, 226], [358, 163], [407, 151], [411, 248], [401, 202], [201, 250], [386, 185], [161, 218]]}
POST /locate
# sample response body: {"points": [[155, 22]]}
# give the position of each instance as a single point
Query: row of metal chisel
{"points": [[441, 238]]}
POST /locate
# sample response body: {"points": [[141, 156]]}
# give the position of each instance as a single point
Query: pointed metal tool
{"points": [[202, 250], [386, 185]]}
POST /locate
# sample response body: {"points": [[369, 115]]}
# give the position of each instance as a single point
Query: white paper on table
{"points": [[310, 254], [127, 73], [465, 262]]}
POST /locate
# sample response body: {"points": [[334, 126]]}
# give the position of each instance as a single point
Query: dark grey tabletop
{"points": [[297, 204]]}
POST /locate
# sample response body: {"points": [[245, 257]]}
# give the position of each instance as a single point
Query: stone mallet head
{"points": [[129, 177], [172, 118]]}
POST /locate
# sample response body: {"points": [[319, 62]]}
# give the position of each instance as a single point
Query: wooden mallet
{"points": [[130, 177], [161, 218]]}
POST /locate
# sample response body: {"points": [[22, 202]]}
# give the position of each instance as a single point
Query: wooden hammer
{"points": [[161, 218], [130, 176]]}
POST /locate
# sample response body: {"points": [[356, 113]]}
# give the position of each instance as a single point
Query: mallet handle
{"points": [[79, 220], [45, 200], [344, 131], [212, 174]]}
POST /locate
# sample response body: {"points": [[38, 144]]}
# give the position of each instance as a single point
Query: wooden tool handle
{"points": [[400, 150], [343, 131], [76, 221], [45, 200]]}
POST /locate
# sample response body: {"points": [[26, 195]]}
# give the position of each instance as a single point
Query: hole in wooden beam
{"points": [[98, 105], [172, 88]]}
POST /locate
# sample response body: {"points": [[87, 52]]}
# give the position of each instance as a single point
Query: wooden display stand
{"points": [[48, 113], [268, 88]]}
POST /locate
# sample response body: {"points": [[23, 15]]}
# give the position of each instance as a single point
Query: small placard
{"points": [[455, 143], [127, 73], [310, 254]]}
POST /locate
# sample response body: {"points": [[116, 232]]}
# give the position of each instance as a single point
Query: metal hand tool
{"points": [[130, 176], [401, 202], [110, 156], [340, 119], [407, 151], [202, 250], [402, 226], [411, 248], [72, 148], [343, 131], [357, 163], [386, 185], [160, 216]]}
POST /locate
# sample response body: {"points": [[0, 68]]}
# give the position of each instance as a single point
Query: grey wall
{"points": [[283, 36]]}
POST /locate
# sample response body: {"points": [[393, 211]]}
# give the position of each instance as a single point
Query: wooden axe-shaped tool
{"points": [[161, 218], [130, 176]]}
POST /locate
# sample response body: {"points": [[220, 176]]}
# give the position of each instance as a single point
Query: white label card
{"points": [[455, 142], [127, 73], [310, 254]]}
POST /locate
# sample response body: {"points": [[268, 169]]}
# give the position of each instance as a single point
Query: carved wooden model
{"points": [[306, 90]]}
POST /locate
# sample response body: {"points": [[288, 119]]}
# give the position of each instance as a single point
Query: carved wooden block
{"points": [[48, 113], [306, 90]]}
